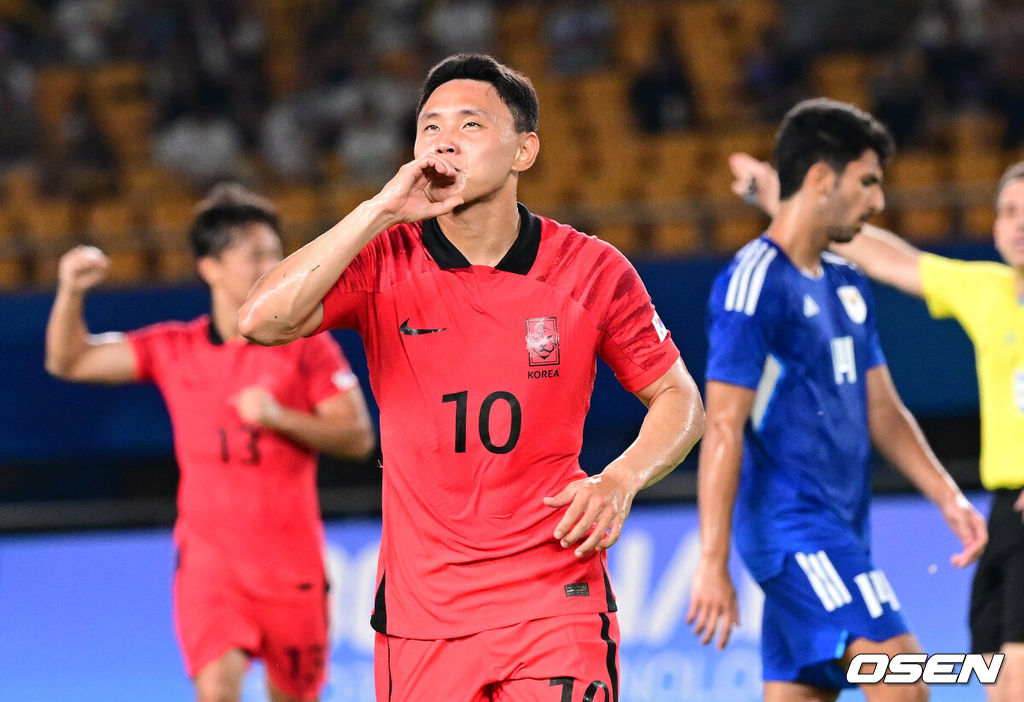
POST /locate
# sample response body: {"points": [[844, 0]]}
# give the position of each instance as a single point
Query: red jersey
{"points": [[247, 497], [483, 377]]}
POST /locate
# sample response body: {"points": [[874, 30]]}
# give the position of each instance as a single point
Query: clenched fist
{"points": [[82, 268], [257, 406]]}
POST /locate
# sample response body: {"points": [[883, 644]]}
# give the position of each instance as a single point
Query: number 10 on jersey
{"points": [[461, 400]]}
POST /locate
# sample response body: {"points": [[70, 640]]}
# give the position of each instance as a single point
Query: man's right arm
{"points": [[885, 257], [72, 353], [882, 255], [713, 603], [286, 303]]}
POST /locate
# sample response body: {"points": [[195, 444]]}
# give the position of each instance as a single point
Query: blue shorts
{"points": [[818, 603]]}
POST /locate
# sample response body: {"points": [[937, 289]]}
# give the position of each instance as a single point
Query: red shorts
{"points": [[213, 615], [571, 658]]}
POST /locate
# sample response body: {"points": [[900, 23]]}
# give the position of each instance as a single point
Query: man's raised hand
{"points": [[426, 187]]}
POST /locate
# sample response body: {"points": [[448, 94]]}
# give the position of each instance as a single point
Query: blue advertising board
{"points": [[87, 617]]}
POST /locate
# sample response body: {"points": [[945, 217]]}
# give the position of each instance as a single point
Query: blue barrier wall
{"points": [[88, 617], [43, 419]]}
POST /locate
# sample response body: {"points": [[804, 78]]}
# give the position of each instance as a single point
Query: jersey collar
{"points": [[519, 258], [212, 334]]}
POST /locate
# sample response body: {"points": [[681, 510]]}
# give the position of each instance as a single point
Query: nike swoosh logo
{"points": [[406, 329]]}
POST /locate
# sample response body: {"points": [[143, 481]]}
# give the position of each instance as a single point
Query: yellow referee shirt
{"points": [[982, 297]]}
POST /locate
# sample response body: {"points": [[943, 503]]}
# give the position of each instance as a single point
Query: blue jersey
{"points": [[804, 345]]}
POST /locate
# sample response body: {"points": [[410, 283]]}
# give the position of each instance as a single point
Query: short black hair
{"points": [[1010, 175], [514, 88], [825, 130], [225, 208]]}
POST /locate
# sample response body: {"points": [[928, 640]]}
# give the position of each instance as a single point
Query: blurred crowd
{"points": [[306, 91]]}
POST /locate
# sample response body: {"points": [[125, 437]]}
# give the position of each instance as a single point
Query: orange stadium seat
{"points": [[129, 127], [734, 226], [917, 207], [345, 199], [123, 82], [677, 237], [677, 170], [170, 220], [302, 217], [706, 44], [925, 223], [145, 179], [544, 190], [51, 227], [119, 228], [56, 89], [750, 18], [519, 33], [636, 26], [624, 237], [975, 131], [978, 167], [615, 172], [843, 77], [756, 141], [13, 273], [978, 219], [916, 168], [49, 224], [174, 263]]}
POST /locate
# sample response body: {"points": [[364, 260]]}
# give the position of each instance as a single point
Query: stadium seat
{"points": [[916, 168], [57, 87], [129, 127], [302, 217], [119, 229], [13, 271], [734, 226], [922, 223], [750, 18], [118, 83], [706, 44], [636, 26], [520, 37], [624, 237], [843, 76], [977, 220], [345, 199], [717, 177], [978, 167], [170, 219], [675, 238], [677, 170], [49, 225], [975, 131]]}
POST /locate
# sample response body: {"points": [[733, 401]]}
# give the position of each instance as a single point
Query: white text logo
{"points": [[936, 669]]}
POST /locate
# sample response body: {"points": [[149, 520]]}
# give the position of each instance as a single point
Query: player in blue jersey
{"points": [[797, 391]]}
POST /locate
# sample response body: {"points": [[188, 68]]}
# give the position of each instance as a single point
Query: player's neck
{"points": [[799, 237], [484, 231], [224, 318]]}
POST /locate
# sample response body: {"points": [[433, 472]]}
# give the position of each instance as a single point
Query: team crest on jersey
{"points": [[542, 343], [853, 302]]}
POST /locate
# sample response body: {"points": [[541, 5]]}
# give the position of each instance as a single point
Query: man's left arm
{"points": [[897, 436], [339, 425], [598, 505]]}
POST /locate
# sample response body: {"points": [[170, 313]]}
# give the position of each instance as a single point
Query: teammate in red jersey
{"points": [[482, 324], [248, 423]]}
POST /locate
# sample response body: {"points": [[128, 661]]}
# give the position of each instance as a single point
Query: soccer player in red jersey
{"points": [[248, 424], [482, 323]]}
